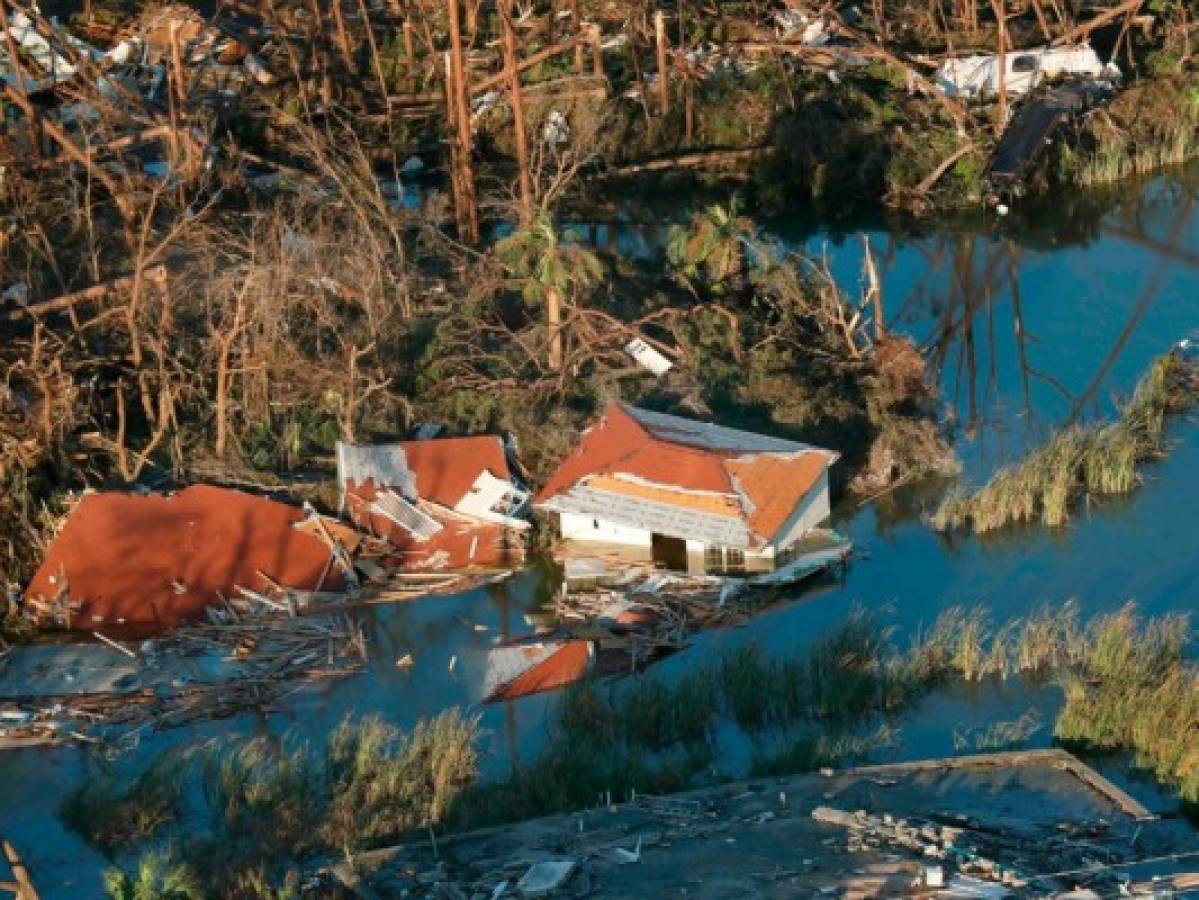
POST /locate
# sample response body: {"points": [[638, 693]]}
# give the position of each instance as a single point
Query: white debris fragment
{"points": [[17, 292], [257, 68], [557, 129], [544, 878], [977, 77], [649, 358]]}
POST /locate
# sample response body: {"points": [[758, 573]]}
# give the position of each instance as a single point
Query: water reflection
{"points": [[1030, 325]]}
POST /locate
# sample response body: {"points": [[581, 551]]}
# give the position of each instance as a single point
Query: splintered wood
{"points": [[264, 657], [651, 620]]}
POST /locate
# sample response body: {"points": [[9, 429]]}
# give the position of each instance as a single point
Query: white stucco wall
{"points": [[811, 512], [575, 527]]}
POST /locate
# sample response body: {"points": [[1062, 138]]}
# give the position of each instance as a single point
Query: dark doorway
{"points": [[669, 552]]}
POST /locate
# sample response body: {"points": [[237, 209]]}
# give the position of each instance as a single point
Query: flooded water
{"points": [[1029, 328]]}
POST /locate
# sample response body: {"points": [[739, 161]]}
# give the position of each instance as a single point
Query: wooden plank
{"points": [[1052, 757], [25, 888]]}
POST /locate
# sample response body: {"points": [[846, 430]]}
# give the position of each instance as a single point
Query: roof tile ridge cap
{"points": [[748, 456], [748, 507]]}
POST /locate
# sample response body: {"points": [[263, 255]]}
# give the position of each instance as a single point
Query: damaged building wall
{"points": [[578, 527], [815, 508]]}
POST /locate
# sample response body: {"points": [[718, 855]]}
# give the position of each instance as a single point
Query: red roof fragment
{"points": [[446, 468], [156, 561]]}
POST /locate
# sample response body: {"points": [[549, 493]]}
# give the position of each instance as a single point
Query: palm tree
{"points": [[714, 242], [156, 879], [552, 270]]}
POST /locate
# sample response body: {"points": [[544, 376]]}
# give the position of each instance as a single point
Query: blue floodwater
{"points": [[1096, 305]]}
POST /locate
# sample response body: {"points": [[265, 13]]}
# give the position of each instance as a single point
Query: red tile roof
{"points": [[155, 561], [446, 468], [619, 443], [766, 486], [567, 665], [775, 485]]}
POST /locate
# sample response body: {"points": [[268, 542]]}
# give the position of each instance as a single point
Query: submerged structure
{"points": [[447, 502], [689, 496], [156, 561]]}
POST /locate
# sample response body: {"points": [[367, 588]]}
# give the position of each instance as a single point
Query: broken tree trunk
{"points": [[22, 885], [72, 150], [597, 53], [663, 71], [553, 311], [518, 114], [1110, 15], [459, 91], [874, 290], [156, 275], [576, 24], [1001, 20], [18, 71], [486, 84], [343, 37]]}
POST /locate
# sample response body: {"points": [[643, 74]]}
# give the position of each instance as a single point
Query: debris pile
{"points": [[200, 672], [1025, 824], [441, 503], [244, 598]]}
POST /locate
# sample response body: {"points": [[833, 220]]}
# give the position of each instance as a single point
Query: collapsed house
{"points": [[442, 503], [977, 78], [689, 496], [156, 561], [520, 669]]}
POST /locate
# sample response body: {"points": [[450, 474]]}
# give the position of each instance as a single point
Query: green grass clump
{"points": [[156, 878], [270, 801], [111, 811], [383, 783], [1092, 460], [998, 736], [264, 797], [1135, 690], [811, 751], [1151, 125]]}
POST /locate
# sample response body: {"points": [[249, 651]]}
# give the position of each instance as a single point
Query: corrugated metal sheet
{"points": [[710, 437], [392, 506], [659, 518], [385, 464]]}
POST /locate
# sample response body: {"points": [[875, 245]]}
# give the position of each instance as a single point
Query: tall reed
{"points": [[1090, 460]]}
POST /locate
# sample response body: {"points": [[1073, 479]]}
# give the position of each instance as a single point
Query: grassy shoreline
{"points": [[1126, 681]]}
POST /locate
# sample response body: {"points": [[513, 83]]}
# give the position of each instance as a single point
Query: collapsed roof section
{"points": [[156, 561], [686, 479], [446, 502]]}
